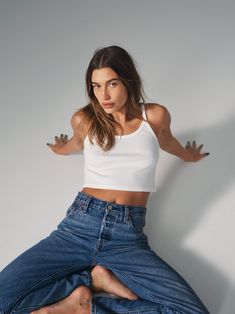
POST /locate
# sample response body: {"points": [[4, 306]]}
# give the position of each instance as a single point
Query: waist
{"points": [[101, 203], [117, 198]]}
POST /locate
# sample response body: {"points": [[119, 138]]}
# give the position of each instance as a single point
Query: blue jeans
{"points": [[96, 232]]}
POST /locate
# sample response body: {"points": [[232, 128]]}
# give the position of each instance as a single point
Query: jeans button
{"points": [[110, 207]]}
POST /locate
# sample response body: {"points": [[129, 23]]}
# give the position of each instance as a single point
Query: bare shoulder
{"points": [[158, 116], [79, 123], [77, 118]]}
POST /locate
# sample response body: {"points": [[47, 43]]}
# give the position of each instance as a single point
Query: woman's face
{"points": [[109, 90]]}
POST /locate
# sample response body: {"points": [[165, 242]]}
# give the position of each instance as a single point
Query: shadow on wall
{"points": [[189, 206]]}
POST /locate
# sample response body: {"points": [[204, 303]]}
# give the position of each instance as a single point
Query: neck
{"points": [[120, 116]]}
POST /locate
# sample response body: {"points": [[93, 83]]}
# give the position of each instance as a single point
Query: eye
{"points": [[96, 86], [113, 84]]}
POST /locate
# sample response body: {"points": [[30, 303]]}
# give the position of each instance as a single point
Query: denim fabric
{"points": [[93, 232]]}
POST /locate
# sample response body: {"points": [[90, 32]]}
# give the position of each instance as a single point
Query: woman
{"points": [[100, 246]]}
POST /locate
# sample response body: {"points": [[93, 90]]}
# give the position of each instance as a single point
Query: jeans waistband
{"points": [[98, 203]]}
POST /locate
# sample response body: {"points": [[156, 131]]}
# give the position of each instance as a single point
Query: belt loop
{"points": [[86, 204], [126, 216]]}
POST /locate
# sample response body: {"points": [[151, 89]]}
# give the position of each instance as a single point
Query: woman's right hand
{"points": [[59, 143]]}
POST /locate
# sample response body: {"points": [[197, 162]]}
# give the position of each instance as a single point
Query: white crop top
{"points": [[129, 165]]}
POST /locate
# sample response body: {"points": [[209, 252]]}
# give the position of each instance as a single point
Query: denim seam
{"points": [[94, 308], [94, 311], [35, 285], [126, 214], [158, 301], [133, 283]]}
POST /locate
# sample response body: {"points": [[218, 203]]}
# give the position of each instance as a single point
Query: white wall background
{"points": [[185, 54]]}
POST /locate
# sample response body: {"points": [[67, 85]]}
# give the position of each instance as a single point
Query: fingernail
{"points": [[48, 144], [207, 154]]}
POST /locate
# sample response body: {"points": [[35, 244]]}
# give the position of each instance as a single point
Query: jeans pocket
{"points": [[75, 207], [70, 210], [78, 207]]}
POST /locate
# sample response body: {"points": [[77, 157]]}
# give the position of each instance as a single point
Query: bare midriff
{"points": [[132, 198]]}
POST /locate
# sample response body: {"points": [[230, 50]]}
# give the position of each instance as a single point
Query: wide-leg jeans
{"points": [[96, 232]]}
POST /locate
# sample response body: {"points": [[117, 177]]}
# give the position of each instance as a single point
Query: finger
{"points": [[199, 147], [205, 154], [57, 140], [188, 144], [63, 138], [50, 145], [194, 144]]}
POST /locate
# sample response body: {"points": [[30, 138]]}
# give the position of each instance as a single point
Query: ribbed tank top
{"points": [[129, 165]]}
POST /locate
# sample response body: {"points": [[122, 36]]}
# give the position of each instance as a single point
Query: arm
{"points": [[62, 145], [161, 121]]}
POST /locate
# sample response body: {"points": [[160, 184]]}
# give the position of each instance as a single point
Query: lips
{"points": [[107, 105]]}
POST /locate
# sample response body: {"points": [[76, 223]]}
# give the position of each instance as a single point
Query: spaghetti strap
{"points": [[143, 111]]}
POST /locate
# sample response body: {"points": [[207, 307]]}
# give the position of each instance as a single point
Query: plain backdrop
{"points": [[184, 51]]}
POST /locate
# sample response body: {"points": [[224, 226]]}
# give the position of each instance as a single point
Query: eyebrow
{"points": [[113, 79]]}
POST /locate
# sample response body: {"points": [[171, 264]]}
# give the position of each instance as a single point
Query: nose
{"points": [[105, 94]]}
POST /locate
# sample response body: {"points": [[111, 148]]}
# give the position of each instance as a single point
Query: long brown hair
{"points": [[102, 125]]}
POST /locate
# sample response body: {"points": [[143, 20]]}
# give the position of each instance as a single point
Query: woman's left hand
{"points": [[195, 151]]}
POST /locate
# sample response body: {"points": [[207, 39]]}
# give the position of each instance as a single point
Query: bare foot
{"points": [[103, 280], [78, 302]]}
